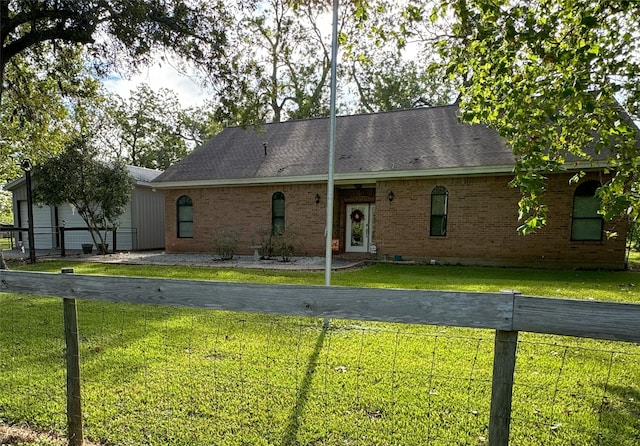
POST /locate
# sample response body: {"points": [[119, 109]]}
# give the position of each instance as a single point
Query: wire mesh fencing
{"points": [[164, 375]]}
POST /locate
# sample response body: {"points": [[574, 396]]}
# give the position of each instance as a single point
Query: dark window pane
{"points": [[587, 229], [277, 213], [185, 229], [438, 225], [585, 207], [439, 203], [586, 223], [184, 214]]}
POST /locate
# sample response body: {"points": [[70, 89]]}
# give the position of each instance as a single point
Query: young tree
{"points": [[99, 191], [548, 75]]}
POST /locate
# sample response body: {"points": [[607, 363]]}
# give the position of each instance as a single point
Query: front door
{"points": [[360, 219]]}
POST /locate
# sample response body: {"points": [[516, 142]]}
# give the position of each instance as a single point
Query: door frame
{"points": [[368, 209]]}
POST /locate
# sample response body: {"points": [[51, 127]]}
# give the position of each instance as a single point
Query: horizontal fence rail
{"points": [[501, 311], [506, 312]]}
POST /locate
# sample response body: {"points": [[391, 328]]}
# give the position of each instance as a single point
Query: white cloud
{"points": [[186, 86]]}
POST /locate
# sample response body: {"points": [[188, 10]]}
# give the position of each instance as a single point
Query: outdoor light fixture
{"points": [[26, 165], [391, 195], [317, 198]]}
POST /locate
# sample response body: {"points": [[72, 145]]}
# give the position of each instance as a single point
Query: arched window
{"points": [[277, 213], [586, 223], [184, 212], [439, 199]]}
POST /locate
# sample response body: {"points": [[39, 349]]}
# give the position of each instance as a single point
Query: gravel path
{"points": [[161, 258]]}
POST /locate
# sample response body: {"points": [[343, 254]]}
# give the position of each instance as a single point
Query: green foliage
{"points": [[547, 75], [35, 113], [281, 63], [396, 85], [145, 130], [6, 207], [131, 33], [98, 191], [53, 51]]}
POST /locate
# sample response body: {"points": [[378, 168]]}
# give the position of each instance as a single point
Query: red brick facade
{"points": [[482, 219]]}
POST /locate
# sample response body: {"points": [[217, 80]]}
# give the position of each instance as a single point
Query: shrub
{"points": [[266, 242], [283, 244], [226, 243]]}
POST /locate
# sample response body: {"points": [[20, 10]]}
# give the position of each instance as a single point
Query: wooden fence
{"points": [[506, 312]]}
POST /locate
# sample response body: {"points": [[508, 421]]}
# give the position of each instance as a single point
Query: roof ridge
{"points": [[315, 118]]}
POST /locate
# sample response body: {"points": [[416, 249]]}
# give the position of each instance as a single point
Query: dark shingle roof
{"points": [[404, 140]]}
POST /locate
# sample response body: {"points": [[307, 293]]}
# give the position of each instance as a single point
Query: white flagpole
{"points": [[332, 136]]}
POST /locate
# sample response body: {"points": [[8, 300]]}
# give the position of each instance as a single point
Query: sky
{"points": [[167, 76], [161, 76]]}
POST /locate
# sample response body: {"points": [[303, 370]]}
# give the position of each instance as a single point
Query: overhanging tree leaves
{"points": [[118, 33], [547, 75], [99, 191], [35, 111]]}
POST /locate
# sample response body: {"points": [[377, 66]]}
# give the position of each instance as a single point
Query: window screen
{"points": [[185, 217], [439, 202]]}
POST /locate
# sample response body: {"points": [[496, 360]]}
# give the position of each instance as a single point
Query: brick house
{"points": [[415, 184]]}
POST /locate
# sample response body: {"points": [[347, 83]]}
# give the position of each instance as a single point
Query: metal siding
{"points": [[42, 226], [73, 239], [147, 209]]}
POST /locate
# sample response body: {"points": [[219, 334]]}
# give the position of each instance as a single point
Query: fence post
{"points": [[63, 252], [114, 231], [74, 402], [504, 363]]}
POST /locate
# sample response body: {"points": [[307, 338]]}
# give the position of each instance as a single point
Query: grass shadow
{"points": [[619, 415], [293, 424]]}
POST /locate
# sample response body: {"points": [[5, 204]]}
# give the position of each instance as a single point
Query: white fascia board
{"points": [[15, 183], [364, 177]]}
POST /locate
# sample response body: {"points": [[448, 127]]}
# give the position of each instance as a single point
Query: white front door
{"points": [[360, 221]]}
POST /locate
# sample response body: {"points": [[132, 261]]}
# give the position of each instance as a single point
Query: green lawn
{"points": [[5, 243], [156, 375]]}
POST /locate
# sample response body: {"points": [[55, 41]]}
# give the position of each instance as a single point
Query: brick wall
{"points": [[482, 223], [481, 228], [246, 210]]}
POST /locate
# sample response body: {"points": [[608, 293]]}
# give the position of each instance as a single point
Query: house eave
{"points": [[363, 177], [339, 178]]}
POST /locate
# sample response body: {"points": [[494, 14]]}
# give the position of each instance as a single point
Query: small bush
{"points": [[266, 242], [284, 244], [226, 244]]}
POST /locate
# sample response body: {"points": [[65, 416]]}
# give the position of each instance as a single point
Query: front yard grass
{"points": [[159, 375]]}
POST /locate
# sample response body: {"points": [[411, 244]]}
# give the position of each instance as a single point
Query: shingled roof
{"points": [[405, 143]]}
